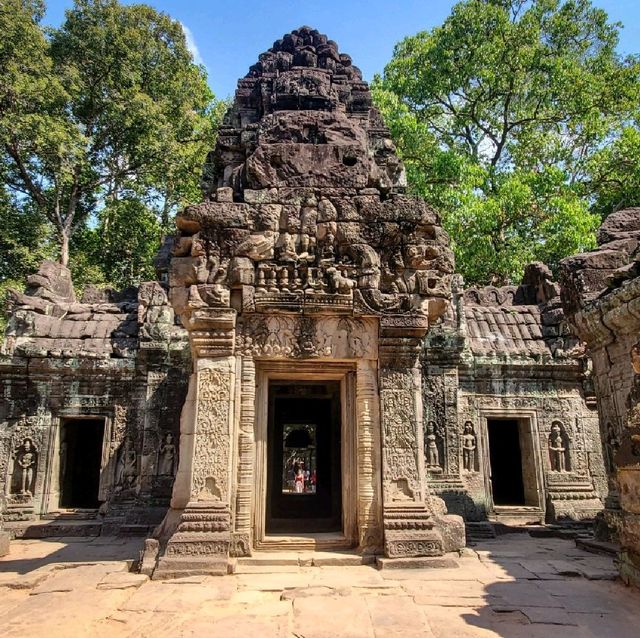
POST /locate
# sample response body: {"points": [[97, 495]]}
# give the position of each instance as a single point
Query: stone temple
{"points": [[308, 371]]}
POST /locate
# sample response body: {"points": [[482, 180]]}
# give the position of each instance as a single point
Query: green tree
{"points": [[615, 171], [509, 100], [110, 107], [119, 251]]}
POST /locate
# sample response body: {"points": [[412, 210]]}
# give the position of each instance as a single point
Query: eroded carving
{"points": [[559, 448], [25, 468], [211, 460], [167, 456], [469, 447]]}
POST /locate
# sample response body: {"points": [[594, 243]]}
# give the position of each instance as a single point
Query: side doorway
{"points": [[81, 443], [514, 470]]}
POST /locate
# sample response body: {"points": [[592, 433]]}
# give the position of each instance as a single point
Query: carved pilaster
{"points": [[246, 449], [196, 534], [414, 525], [369, 523]]}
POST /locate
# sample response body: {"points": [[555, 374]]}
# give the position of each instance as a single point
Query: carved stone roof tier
{"points": [[304, 205], [525, 321], [48, 321]]}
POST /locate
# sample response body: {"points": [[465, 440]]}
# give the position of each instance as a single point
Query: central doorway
{"points": [[506, 462], [80, 462], [304, 473]]}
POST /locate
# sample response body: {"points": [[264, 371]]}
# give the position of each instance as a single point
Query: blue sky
{"points": [[228, 36]]}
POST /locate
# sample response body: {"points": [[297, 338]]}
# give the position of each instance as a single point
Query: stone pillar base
{"points": [[606, 525], [197, 541], [5, 537], [575, 500], [411, 531]]}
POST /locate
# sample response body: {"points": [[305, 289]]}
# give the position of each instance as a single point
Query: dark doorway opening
{"points": [[506, 462], [80, 462], [304, 481]]}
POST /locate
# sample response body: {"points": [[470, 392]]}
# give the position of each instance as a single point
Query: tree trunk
{"points": [[64, 247]]}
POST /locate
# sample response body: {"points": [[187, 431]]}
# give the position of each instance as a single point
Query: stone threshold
{"points": [[304, 542], [517, 515], [280, 560], [419, 562]]}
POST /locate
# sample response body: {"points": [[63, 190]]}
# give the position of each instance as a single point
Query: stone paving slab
{"points": [[514, 589], [331, 616], [397, 617]]}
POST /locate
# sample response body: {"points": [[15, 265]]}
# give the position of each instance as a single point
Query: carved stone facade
{"points": [[112, 361], [306, 251], [306, 263], [506, 355]]}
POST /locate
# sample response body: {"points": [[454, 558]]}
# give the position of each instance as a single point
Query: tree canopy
{"points": [[105, 123], [507, 116]]}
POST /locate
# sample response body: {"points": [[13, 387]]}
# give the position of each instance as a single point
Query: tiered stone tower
{"points": [[306, 251]]}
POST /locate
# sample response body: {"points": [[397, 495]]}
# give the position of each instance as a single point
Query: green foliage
{"points": [[615, 171], [24, 243], [119, 251], [104, 124], [498, 114]]}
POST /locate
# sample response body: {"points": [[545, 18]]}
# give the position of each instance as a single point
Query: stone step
{"points": [[282, 559], [517, 515], [71, 514], [135, 530], [598, 547], [478, 531], [49, 529], [418, 562]]}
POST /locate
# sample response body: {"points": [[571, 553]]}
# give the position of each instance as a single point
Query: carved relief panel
{"points": [[401, 474], [211, 462]]}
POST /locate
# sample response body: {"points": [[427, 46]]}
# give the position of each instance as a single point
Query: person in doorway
{"points": [[307, 477], [299, 481]]}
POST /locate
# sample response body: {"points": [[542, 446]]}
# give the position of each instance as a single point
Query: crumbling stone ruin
{"points": [[336, 385], [91, 389], [601, 295]]}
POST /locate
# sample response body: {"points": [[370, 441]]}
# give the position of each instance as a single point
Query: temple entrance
{"points": [[80, 462], [304, 476], [506, 462]]}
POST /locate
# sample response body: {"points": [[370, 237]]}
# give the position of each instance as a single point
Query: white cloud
{"points": [[191, 44]]}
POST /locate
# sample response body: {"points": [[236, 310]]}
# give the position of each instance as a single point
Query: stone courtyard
{"points": [[510, 587]]}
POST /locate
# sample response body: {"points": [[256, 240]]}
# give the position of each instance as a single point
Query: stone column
{"points": [[4, 536], [195, 536], [414, 524]]}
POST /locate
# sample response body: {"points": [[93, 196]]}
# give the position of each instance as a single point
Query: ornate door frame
{"points": [[361, 504]]}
